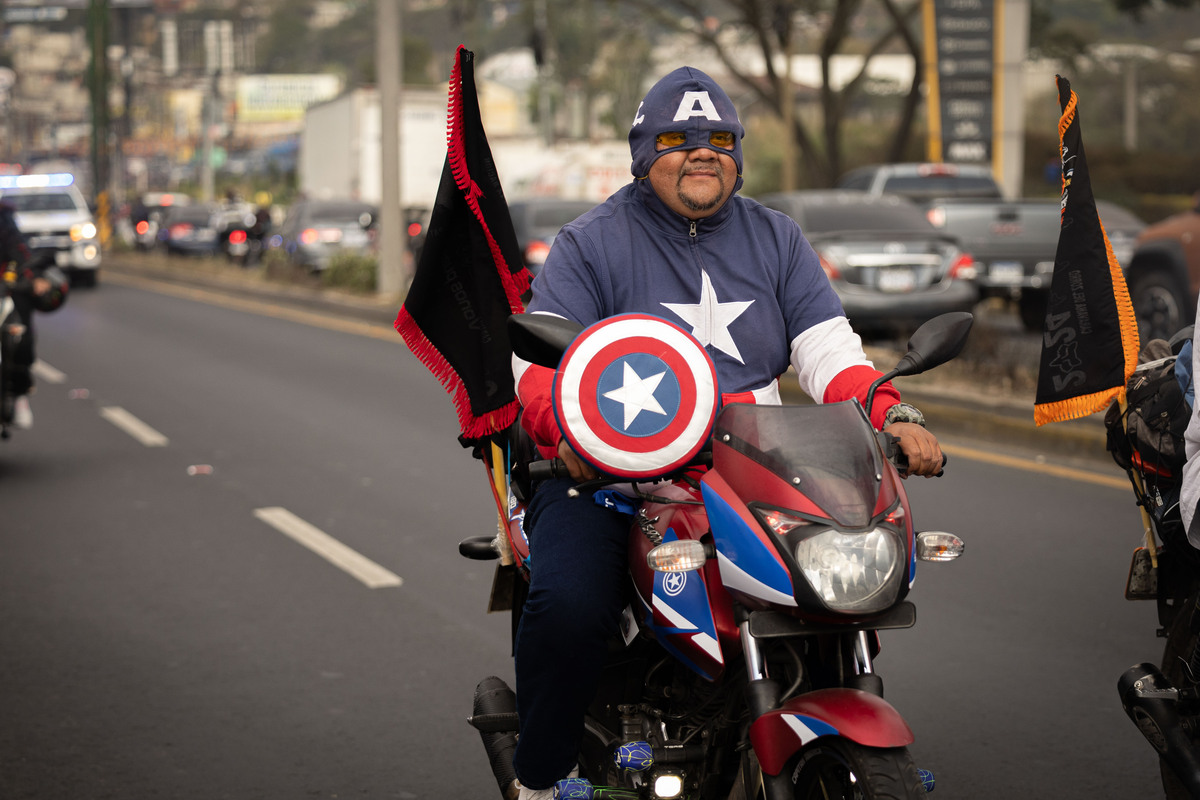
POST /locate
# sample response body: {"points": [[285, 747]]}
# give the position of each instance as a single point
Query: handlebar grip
{"points": [[893, 453], [546, 469]]}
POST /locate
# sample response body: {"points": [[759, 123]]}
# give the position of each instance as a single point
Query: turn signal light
{"points": [[681, 555], [939, 546]]}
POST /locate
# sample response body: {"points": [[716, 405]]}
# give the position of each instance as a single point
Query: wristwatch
{"points": [[903, 412]]}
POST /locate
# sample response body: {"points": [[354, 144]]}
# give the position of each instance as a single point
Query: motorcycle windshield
{"points": [[827, 452]]}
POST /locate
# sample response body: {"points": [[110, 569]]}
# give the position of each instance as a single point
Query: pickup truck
{"points": [[924, 182], [1013, 241]]}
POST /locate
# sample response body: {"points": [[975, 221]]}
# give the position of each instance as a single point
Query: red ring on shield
{"points": [[636, 396]]}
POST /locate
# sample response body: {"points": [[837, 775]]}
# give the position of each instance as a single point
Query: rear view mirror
{"points": [[541, 338]]}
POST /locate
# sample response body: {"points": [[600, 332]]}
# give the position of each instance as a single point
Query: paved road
{"points": [[166, 635]]}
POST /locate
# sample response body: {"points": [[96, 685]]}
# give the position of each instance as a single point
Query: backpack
{"points": [[1148, 437]]}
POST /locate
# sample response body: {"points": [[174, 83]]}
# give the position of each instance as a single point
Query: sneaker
{"points": [[525, 793], [22, 413]]}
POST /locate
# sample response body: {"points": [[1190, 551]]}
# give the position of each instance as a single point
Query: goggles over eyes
{"points": [[722, 139]]}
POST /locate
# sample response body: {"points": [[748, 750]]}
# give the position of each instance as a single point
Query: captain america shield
{"points": [[636, 396]]}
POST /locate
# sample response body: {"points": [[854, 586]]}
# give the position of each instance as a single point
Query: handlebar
{"points": [[548, 468]]}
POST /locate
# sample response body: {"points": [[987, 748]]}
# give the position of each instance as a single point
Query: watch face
{"points": [[636, 396]]}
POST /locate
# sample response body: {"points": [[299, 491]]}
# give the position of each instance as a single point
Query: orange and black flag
{"points": [[470, 276], [1090, 341]]}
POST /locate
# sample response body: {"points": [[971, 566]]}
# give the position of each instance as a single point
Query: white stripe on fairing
{"points": [[734, 577], [799, 728], [707, 643]]}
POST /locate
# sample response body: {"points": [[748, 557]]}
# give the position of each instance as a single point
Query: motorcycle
{"points": [[1162, 701], [13, 282], [759, 576]]}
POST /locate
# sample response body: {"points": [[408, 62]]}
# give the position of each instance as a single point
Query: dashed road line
{"points": [[46, 373], [328, 548], [133, 426]]}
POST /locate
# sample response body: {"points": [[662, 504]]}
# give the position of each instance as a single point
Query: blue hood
{"points": [[686, 100]]}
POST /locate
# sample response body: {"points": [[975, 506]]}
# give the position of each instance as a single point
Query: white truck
{"points": [[339, 156], [53, 215]]}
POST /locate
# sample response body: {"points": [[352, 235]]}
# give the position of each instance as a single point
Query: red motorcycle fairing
{"points": [[751, 567], [690, 614], [853, 714]]}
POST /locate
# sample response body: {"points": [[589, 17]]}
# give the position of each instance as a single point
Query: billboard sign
{"points": [[960, 46], [277, 98]]}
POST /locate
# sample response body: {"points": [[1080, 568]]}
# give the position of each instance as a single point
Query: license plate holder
{"points": [[897, 280], [1006, 272]]}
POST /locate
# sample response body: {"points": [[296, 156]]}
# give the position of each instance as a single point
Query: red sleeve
{"points": [[537, 416], [854, 382]]}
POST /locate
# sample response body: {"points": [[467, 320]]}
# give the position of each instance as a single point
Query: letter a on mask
{"points": [[696, 104]]}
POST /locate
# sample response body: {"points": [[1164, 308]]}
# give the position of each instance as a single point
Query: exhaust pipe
{"points": [[495, 717], [1153, 704]]}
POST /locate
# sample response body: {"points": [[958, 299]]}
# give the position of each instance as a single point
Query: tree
{"points": [[775, 29], [1135, 7]]}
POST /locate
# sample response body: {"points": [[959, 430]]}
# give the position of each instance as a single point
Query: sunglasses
{"points": [[723, 139]]}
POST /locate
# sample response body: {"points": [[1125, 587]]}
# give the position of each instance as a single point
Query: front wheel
{"points": [[1159, 304], [842, 770], [1178, 655]]}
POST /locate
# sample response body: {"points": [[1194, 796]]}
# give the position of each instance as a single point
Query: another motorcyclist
{"points": [[15, 256], [677, 243]]}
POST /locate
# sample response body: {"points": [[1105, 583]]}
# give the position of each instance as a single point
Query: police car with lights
{"points": [[53, 215]]}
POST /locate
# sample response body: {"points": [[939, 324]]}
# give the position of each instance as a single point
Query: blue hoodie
{"points": [[744, 281]]}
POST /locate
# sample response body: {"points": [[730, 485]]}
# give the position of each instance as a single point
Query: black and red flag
{"points": [[470, 275], [1090, 340]]}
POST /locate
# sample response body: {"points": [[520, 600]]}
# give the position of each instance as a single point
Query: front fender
{"points": [[856, 715]]}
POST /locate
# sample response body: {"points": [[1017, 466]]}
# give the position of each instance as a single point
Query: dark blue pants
{"points": [[576, 594]]}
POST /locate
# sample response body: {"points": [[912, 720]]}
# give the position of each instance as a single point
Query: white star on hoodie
{"points": [[710, 319]]}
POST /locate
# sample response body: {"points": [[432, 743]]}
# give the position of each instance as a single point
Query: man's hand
{"points": [[40, 286], [919, 446], [580, 470]]}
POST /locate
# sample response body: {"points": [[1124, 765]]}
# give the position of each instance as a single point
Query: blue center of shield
{"points": [[638, 395]]}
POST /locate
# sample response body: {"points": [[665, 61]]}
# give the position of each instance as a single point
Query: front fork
{"points": [[762, 695]]}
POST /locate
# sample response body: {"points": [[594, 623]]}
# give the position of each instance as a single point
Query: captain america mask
{"points": [[690, 103]]}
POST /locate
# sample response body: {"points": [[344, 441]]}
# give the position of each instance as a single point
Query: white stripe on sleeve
{"points": [[824, 350]]}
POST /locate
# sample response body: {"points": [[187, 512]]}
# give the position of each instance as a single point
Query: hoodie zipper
{"points": [[692, 231]]}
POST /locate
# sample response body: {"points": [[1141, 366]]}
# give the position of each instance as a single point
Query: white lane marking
{"points": [[47, 373], [133, 426], [328, 548]]}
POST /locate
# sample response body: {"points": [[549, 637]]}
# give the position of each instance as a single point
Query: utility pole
{"points": [[392, 275], [97, 32]]}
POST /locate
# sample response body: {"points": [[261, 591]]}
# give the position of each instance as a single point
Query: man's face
{"points": [[694, 183]]}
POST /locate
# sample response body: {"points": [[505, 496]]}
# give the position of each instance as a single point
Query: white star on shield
{"points": [[637, 394], [710, 318]]}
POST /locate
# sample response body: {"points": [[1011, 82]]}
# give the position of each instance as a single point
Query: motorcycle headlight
{"points": [[852, 572]]}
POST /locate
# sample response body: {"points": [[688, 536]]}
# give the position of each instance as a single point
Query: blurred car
{"points": [[148, 213], [53, 216], [537, 220], [1123, 228], [315, 230], [190, 230], [891, 268], [1163, 274]]}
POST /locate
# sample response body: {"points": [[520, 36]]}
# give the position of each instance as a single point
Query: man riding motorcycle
{"points": [[677, 243], [45, 292]]}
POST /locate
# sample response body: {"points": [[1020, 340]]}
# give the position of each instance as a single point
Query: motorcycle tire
{"points": [[839, 769], [1182, 640]]}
